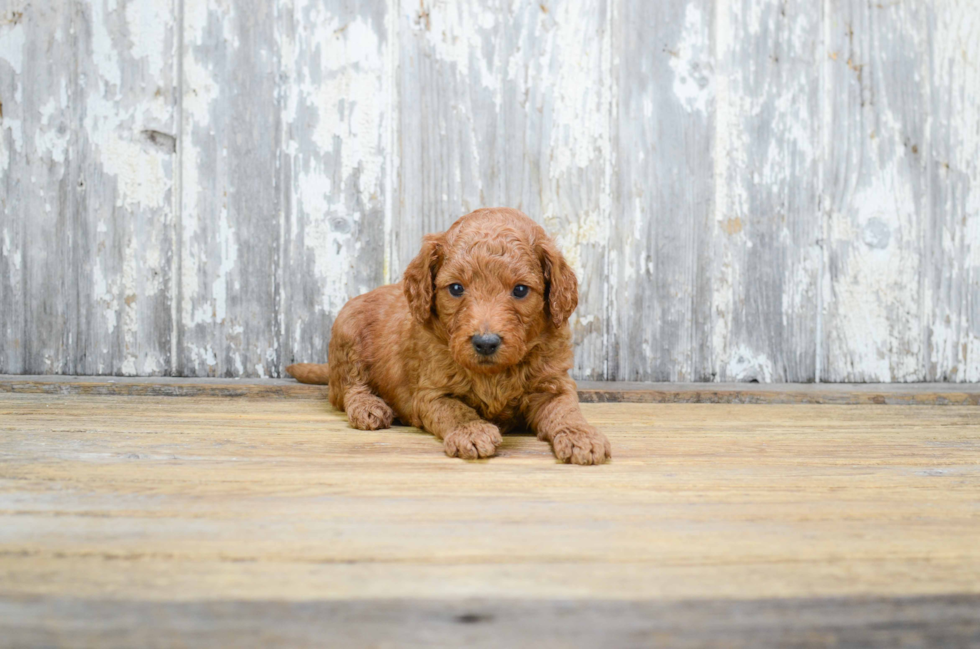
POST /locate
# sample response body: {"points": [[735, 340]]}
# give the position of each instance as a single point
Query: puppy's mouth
{"points": [[488, 364], [486, 361]]}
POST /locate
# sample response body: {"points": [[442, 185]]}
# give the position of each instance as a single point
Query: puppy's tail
{"points": [[309, 373]]}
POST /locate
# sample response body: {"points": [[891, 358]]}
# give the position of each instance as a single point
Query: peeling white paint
{"points": [[876, 296], [201, 92], [8, 250], [15, 129], [350, 103], [579, 134], [723, 289], [12, 44], [144, 20], [51, 142], [154, 364], [453, 31], [691, 62], [142, 180], [341, 158], [745, 364], [104, 53], [12, 55], [201, 89], [126, 178], [229, 258]]}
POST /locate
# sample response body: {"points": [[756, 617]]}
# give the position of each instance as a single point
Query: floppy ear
{"points": [[561, 286], [420, 278]]}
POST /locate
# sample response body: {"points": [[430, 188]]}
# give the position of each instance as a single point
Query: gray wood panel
{"points": [[336, 123], [748, 189], [38, 305], [951, 242], [872, 621], [660, 311], [509, 104], [876, 183], [124, 164], [230, 213], [766, 230], [892, 394]]}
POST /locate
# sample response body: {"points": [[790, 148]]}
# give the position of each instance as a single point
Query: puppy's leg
{"points": [[463, 433], [349, 389], [366, 410], [556, 418]]}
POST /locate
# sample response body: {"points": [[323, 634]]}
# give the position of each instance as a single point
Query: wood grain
{"points": [[149, 500], [766, 215], [230, 213], [877, 191], [951, 286], [660, 306], [772, 501], [931, 394], [919, 622], [335, 119], [38, 299], [124, 160]]}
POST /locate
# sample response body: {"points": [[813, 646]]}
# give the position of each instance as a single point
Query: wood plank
{"points": [[335, 163], [38, 85], [760, 509], [945, 621], [767, 230], [877, 190], [951, 242], [125, 162], [660, 304], [588, 391], [505, 104], [162, 387], [909, 394], [230, 213]]}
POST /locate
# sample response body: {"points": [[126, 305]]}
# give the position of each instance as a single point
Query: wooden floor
{"points": [[202, 521]]}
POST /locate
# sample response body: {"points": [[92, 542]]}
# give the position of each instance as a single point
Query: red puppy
{"points": [[472, 342]]}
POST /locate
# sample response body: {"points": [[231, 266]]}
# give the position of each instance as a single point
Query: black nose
{"points": [[486, 344]]}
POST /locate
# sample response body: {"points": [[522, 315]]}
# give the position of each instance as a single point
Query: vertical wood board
{"points": [[38, 305], [230, 217], [877, 190], [335, 121], [124, 165], [766, 229], [660, 303]]}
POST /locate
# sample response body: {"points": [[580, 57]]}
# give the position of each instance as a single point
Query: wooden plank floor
{"points": [[962, 394], [201, 521]]}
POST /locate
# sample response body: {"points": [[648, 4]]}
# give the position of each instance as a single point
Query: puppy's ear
{"points": [[561, 286], [420, 277]]}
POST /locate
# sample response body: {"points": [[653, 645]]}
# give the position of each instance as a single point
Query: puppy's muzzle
{"points": [[486, 344]]}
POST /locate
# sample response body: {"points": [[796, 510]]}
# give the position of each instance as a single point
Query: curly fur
{"points": [[404, 350]]}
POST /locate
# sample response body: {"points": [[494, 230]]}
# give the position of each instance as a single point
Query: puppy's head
{"points": [[492, 284]]}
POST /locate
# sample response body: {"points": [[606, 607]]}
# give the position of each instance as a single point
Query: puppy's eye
{"points": [[456, 290], [520, 291]]}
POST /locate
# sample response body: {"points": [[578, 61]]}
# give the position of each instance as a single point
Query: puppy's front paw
{"points": [[581, 446], [369, 413], [473, 440]]}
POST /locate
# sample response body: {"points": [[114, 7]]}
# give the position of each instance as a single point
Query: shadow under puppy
{"points": [[474, 341]]}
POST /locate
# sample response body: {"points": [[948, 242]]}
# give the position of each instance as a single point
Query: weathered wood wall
{"points": [[772, 190]]}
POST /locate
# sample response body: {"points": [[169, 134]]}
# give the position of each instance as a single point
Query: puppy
{"points": [[473, 342]]}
